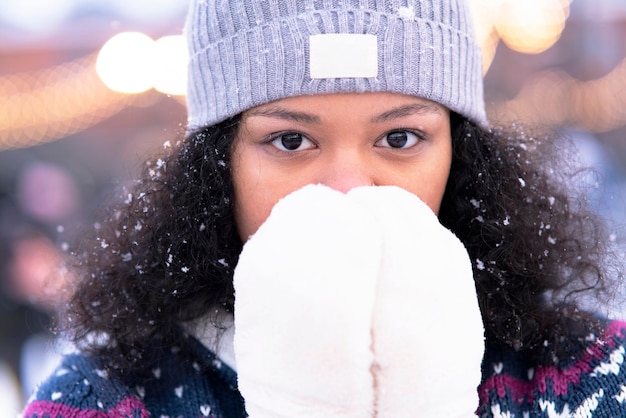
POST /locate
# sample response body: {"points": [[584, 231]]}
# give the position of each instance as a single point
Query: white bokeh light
{"points": [[126, 62], [171, 59]]}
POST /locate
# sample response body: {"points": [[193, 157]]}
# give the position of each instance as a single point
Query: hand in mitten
{"points": [[304, 294], [427, 328]]}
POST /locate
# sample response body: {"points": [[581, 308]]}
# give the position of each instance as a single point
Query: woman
{"points": [[351, 300]]}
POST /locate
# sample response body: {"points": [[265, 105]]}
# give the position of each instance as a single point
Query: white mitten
{"points": [[304, 296], [427, 328]]}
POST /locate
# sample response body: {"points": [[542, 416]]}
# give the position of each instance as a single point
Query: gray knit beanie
{"points": [[244, 53]]}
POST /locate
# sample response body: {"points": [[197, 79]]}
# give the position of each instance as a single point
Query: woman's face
{"points": [[343, 141]]}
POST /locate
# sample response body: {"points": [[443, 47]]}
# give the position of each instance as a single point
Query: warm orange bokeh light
{"points": [[49, 104], [532, 26]]}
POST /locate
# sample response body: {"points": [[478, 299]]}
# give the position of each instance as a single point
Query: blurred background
{"points": [[89, 87]]}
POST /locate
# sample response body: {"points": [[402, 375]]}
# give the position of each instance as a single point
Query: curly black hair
{"points": [[517, 201], [165, 251]]}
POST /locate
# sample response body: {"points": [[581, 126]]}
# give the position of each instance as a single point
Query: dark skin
{"points": [[342, 141]]}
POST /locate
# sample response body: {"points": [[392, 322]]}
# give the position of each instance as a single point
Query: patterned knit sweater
{"points": [[191, 382], [187, 381], [592, 384]]}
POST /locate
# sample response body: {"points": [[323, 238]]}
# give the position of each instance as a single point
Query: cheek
{"points": [[243, 217], [440, 182], [436, 195], [257, 189], [252, 207], [429, 180], [251, 203]]}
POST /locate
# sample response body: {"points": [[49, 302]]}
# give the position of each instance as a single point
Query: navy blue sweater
{"points": [[189, 381], [186, 381]]}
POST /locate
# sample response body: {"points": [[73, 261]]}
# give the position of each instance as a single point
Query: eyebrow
{"points": [[280, 113], [396, 113], [406, 110]]}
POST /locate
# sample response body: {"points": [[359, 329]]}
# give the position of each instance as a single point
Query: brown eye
{"points": [[399, 140], [291, 141]]}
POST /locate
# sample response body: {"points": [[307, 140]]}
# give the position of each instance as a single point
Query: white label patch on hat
{"points": [[343, 55]]}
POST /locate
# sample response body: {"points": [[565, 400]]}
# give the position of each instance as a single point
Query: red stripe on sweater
{"points": [[129, 407], [521, 390]]}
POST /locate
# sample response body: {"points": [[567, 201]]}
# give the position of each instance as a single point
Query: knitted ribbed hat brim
{"points": [[244, 53]]}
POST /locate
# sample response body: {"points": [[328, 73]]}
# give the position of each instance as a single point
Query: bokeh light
{"points": [[131, 62], [532, 26], [528, 27], [126, 62], [555, 98], [47, 104], [171, 59], [486, 13]]}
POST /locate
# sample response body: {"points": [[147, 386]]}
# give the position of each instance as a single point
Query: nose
{"points": [[346, 170]]}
